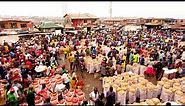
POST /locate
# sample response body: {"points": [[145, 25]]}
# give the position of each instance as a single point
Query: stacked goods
{"points": [[183, 84], [178, 94], [142, 69], [71, 97], [172, 90], [152, 101], [121, 93], [135, 68], [142, 92], [128, 86], [38, 100], [156, 101], [93, 64], [181, 100], [125, 83], [132, 94], [150, 89]]}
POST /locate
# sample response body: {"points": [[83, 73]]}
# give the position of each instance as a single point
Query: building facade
{"points": [[78, 20], [16, 24]]}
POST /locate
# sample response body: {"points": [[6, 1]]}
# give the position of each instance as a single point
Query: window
{"points": [[85, 21], [2, 26], [23, 25], [13, 25]]}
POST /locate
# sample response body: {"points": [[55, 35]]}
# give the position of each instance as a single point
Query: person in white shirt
{"points": [[93, 96], [59, 87], [27, 56], [65, 78]]}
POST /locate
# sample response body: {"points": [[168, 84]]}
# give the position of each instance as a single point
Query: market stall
{"points": [[56, 88]]}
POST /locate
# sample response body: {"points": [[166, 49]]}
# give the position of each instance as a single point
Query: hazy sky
{"points": [[100, 9]]}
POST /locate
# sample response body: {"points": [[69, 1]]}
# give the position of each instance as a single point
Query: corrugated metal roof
{"points": [[49, 25], [11, 20], [82, 16]]}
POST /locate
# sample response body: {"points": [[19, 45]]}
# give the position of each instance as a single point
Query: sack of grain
{"points": [[142, 92], [149, 102], [155, 90], [178, 94], [142, 69], [131, 95], [121, 97], [150, 91], [159, 87], [164, 79], [165, 94], [182, 100], [155, 101]]}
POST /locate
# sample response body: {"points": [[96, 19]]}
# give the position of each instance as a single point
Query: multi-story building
{"points": [[77, 20]]}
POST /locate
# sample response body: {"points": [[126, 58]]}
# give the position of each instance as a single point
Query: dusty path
{"points": [[88, 79]]}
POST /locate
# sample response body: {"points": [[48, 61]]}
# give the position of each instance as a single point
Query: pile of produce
{"points": [[67, 97], [129, 86]]}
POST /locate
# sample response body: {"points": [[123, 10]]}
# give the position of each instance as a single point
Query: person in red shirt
{"points": [[29, 64], [77, 43], [21, 58], [39, 52], [52, 71], [16, 77]]}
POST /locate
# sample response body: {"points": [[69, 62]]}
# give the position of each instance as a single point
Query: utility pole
{"points": [[64, 10], [110, 9]]}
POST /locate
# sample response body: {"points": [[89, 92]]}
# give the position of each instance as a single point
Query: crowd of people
{"points": [[153, 48]]}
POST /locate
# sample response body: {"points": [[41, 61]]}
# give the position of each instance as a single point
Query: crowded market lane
{"points": [[89, 79], [47, 50], [93, 80]]}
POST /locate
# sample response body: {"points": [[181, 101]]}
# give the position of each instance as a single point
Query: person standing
{"points": [[135, 58], [111, 97], [159, 69], [93, 96], [12, 99], [66, 80], [123, 61], [142, 60], [87, 51], [99, 101], [71, 59], [63, 69], [31, 97], [103, 67]]}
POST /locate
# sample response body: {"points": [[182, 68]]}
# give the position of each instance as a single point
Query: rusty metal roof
{"points": [[81, 16], [14, 21]]}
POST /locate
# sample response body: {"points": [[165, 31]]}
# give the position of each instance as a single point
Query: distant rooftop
{"points": [[81, 16]]}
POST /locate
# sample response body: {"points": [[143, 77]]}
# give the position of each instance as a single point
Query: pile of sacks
{"points": [[129, 86], [153, 101], [172, 90]]}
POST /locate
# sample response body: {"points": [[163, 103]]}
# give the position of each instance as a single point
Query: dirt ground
{"points": [[91, 81]]}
